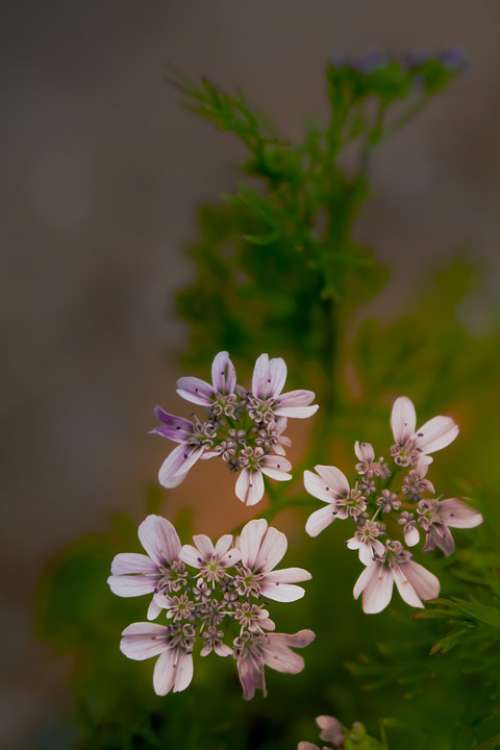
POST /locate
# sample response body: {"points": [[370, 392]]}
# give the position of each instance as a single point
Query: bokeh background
{"points": [[103, 171]]}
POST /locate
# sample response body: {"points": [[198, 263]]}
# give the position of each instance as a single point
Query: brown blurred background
{"points": [[103, 173]]}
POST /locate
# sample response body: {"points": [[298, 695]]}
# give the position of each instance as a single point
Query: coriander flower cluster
{"points": [[212, 598], [391, 499], [243, 427]]}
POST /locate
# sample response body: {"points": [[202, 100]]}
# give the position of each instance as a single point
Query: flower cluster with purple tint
{"points": [[243, 427], [213, 596], [374, 505]]}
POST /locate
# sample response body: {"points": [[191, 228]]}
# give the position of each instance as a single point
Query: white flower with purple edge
{"points": [[244, 428]]}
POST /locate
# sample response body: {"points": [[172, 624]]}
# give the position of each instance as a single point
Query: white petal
{"points": [[250, 540], [178, 465], [366, 554], [231, 557], [319, 520], [223, 544], [191, 556], [276, 462], [458, 515], [317, 487], [160, 539], [288, 575], [278, 373], [378, 592], [285, 592], [223, 373], [364, 580], [132, 562], [195, 390], [403, 419], [364, 451], [412, 536], [261, 377], [164, 672], [135, 585], [204, 544], [272, 549], [436, 434], [154, 609], [296, 412], [223, 650], [406, 590], [353, 543], [335, 479], [250, 487], [142, 640], [423, 581], [296, 398], [183, 672], [307, 746], [276, 474]]}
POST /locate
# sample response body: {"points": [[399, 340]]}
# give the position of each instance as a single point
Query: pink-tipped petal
{"points": [[160, 539], [458, 515], [423, 581], [406, 590], [403, 419], [250, 487], [335, 479], [250, 540], [142, 640], [364, 451], [320, 520], [272, 550], [131, 585], [164, 672], [132, 562], [436, 434], [195, 391]]}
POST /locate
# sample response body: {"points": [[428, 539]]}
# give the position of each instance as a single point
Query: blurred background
{"points": [[103, 172]]}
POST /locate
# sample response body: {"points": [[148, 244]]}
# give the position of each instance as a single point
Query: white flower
{"points": [[331, 486], [173, 670], [134, 574], [414, 582], [413, 447], [268, 380], [262, 548], [212, 561]]}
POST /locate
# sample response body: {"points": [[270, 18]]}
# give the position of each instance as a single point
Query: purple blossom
{"points": [[436, 517], [331, 732]]}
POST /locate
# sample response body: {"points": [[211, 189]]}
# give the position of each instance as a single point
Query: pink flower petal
{"points": [[177, 464], [195, 390], [171, 427], [142, 640], [423, 581], [335, 479], [317, 487], [412, 536], [252, 677], [191, 556], [364, 451], [272, 549], [406, 590], [183, 672], [132, 562], [278, 652], [278, 373], [307, 746], [223, 373], [295, 404], [288, 575], [364, 579], [436, 434], [223, 544], [160, 539], [204, 544], [458, 515], [261, 379], [403, 419], [164, 672], [154, 609], [282, 592], [331, 730], [250, 487], [319, 520], [250, 540], [378, 592], [135, 585]]}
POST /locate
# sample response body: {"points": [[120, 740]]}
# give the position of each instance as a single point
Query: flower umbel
{"points": [[373, 501], [212, 595], [244, 428]]}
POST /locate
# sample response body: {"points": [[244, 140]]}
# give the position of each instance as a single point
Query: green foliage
{"points": [[277, 269]]}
